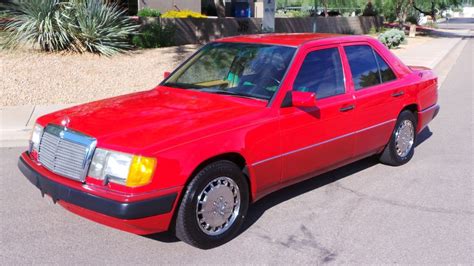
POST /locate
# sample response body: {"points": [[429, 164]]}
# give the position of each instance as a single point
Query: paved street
{"points": [[457, 23], [363, 213]]}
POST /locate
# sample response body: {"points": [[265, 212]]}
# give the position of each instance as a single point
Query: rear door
{"points": [[316, 138], [378, 97]]}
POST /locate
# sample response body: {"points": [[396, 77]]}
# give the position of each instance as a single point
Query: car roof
{"points": [[290, 39]]}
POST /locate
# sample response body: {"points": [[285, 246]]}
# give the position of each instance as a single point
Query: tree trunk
{"points": [[433, 11], [325, 7], [401, 12]]}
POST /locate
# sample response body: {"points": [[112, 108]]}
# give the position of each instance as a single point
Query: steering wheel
{"points": [[266, 82]]}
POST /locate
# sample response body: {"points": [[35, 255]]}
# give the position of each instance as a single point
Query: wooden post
{"points": [[412, 33]]}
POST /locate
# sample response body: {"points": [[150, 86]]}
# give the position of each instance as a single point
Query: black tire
{"points": [[187, 227], [390, 155]]}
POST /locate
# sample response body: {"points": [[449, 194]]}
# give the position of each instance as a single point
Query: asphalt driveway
{"points": [[366, 212]]}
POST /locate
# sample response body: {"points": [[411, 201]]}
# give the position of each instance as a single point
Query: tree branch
{"points": [[419, 10]]}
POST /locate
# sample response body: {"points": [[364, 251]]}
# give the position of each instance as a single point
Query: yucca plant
{"points": [[39, 23], [76, 25], [100, 27]]}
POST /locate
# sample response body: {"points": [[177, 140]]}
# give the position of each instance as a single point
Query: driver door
{"points": [[315, 139]]}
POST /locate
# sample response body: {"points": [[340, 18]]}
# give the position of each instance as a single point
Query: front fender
{"points": [[256, 142]]}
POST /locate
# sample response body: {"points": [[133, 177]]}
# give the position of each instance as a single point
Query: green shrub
{"points": [[149, 12], [73, 25], [413, 19], [392, 38], [298, 13], [155, 35], [182, 14]]}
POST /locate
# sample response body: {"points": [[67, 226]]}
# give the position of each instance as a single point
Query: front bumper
{"points": [[129, 216]]}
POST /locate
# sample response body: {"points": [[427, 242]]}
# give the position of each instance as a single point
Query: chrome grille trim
{"points": [[66, 152]]}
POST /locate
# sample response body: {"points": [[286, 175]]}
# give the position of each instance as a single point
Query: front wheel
{"points": [[401, 147], [214, 206]]}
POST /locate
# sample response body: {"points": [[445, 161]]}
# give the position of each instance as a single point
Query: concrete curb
{"points": [[17, 121], [444, 66], [445, 54]]}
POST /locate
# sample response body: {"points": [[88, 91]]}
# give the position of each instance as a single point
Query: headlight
{"points": [[122, 168], [35, 139]]}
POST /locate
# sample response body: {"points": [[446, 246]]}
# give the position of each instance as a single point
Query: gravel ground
{"points": [[31, 77]]}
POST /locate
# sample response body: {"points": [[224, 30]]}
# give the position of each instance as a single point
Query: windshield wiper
{"points": [[217, 91], [239, 94], [182, 85]]}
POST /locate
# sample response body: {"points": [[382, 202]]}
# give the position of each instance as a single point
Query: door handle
{"points": [[347, 108], [398, 94]]}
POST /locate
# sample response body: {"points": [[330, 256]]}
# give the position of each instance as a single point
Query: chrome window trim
{"points": [[78, 138], [283, 79], [320, 48], [323, 142]]}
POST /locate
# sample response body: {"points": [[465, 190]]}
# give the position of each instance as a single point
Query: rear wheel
{"points": [[214, 206], [401, 147]]}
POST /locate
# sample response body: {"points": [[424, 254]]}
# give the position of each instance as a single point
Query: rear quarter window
{"points": [[386, 72]]}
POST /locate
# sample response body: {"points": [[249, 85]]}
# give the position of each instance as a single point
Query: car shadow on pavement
{"points": [[165, 237], [423, 136], [257, 209]]}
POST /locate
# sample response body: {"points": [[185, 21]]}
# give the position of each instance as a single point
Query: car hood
{"points": [[138, 120]]}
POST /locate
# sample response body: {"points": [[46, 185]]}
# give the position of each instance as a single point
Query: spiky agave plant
{"points": [[39, 23], [76, 25], [100, 27]]}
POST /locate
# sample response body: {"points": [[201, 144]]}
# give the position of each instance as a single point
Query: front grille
{"points": [[66, 152]]}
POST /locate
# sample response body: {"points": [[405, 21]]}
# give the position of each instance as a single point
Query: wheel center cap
{"points": [[219, 206]]}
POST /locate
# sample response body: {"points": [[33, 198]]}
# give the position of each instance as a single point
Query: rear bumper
{"points": [[140, 217], [426, 115]]}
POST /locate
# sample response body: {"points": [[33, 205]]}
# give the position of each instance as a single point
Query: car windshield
{"points": [[239, 69]]}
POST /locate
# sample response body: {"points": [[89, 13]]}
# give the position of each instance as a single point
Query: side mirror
{"points": [[166, 74], [302, 99]]}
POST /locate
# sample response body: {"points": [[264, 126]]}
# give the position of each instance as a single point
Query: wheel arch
{"points": [[414, 108], [411, 107], [234, 157]]}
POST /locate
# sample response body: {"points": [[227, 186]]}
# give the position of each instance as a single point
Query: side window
{"points": [[385, 71], [321, 73], [364, 68]]}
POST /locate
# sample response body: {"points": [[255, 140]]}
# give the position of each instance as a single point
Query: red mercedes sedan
{"points": [[241, 118]]}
